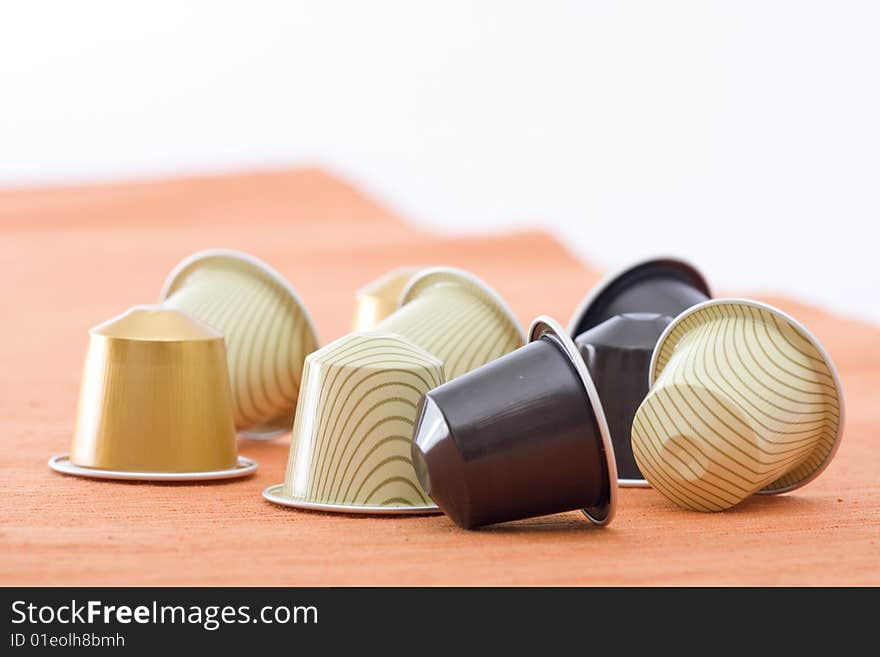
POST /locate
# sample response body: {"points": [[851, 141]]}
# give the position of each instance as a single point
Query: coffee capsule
{"points": [[618, 353], [448, 322], [743, 400], [456, 317], [154, 402], [377, 300], [353, 428], [522, 436], [268, 332], [665, 286]]}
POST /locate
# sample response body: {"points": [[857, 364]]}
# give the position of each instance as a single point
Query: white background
{"points": [[744, 136]]}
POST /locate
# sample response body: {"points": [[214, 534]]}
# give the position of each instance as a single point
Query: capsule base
{"points": [[61, 463]]}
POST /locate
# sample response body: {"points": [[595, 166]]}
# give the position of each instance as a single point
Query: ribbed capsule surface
{"points": [[267, 329], [455, 317], [154, 396]]}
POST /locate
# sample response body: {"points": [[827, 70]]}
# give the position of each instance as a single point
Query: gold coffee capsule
{"points": [[354, 426], [377, 300], [267, 328], [361, 395], [743, 400], [154, 402]]}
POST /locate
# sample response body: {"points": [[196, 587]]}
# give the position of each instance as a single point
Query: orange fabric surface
{"points": [[71, 258]]}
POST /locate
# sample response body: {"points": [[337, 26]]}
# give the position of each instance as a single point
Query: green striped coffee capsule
{"points": [[456, 317], [350, 448], [267, 328], [743, 400], [353, 430]]}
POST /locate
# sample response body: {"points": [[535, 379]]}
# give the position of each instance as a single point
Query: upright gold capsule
{"points": [[155, 402], [381, 297]]}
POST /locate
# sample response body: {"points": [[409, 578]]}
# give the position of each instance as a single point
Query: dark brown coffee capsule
{"points": [[665, 286], [617, 353], [521, 436]]}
